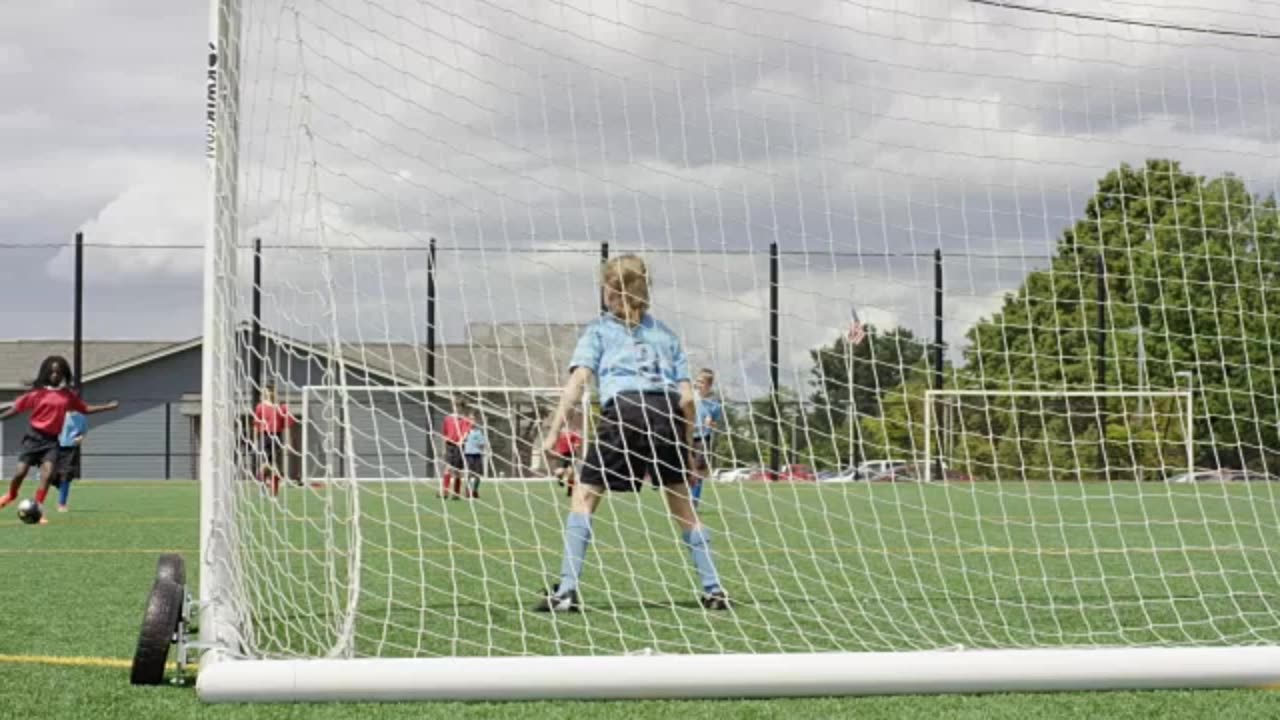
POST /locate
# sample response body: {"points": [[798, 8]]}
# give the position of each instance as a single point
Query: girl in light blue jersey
{"points": [[647, 415]]}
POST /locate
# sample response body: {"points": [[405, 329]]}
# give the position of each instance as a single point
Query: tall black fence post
{"points": [[431, 357], [774, 271], [256, 350], [939, 346], [168, 440], [1100, 378], [604, 258], [77, 327]]}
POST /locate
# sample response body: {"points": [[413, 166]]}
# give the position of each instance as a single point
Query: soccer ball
{"points": [[29, 511]]}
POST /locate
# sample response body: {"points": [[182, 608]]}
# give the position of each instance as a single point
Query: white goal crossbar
{"points": [[931, 395]]}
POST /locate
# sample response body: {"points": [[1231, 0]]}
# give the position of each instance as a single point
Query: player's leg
{"points": [[64, 493], [699, 470], [47, 467], [671, 472], [68, 470], [607, 465], [15, 484]]}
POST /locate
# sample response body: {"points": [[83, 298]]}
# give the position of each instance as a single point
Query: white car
{"points": [[733, 475], [875, 468]]}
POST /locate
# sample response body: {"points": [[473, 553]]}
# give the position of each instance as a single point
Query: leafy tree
{"points": [[880, 364], [1190, 260]]}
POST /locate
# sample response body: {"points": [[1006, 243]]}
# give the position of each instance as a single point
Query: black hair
{"points": [[46, 369]]}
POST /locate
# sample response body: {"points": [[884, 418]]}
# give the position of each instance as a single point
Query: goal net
{"points": [[1029, 247]]}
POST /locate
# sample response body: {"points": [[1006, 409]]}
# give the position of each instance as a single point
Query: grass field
{"points": [[836, 567]]}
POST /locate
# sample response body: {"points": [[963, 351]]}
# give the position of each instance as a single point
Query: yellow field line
{"points": [[66, 661]]}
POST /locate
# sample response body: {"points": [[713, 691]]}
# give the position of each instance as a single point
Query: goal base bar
{"points": [[739, 676]]}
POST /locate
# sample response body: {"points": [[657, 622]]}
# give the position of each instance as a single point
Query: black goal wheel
{"points": [[159, 624], [172, 567]]}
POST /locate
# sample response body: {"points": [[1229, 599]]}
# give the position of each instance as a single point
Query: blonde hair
{"points": [[626, 285]]}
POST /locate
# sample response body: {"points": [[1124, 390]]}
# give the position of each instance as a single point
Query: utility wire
{"points": [[1127, 21]]}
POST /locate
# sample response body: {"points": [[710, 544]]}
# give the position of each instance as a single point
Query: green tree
{"points": [[880, 364], [1190, 260]]}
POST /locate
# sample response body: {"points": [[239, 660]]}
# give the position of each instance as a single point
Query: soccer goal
{"points": [[1057, 435], [845, 209]]}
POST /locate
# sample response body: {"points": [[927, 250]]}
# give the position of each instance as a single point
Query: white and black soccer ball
{"points": [[30, 512]]}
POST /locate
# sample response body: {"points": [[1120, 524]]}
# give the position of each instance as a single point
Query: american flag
{"points": [[857, 332]]}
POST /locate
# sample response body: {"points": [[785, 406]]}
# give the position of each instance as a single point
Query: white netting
{"points": [[864, 200]]}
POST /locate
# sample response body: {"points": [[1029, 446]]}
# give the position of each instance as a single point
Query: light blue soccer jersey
{"points": [[646, 358], [475, 443], [709, 411], [73, 426]]}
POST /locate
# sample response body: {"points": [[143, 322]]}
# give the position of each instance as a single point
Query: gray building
{"points": [[155, 434]]}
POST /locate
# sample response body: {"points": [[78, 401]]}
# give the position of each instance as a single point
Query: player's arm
{"points": [[19, 406], [105, 407], [569, 399]]}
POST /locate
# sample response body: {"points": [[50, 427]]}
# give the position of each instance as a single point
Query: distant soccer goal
{"points": [[1057, 435]]}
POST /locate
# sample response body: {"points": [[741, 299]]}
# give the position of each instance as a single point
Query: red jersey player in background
{"points": [[48, 401], [457, 426], [271, 424], [568, 445]]}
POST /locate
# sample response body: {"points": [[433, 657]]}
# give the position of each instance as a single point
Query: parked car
{"points": [[916, 473], [733, 475], [838, 476], [789, 473], [1201, 475], [874, 468], [1251, 476]]}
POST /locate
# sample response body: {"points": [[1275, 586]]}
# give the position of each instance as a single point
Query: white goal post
{"points": [[437, 186], [1184, 412]]}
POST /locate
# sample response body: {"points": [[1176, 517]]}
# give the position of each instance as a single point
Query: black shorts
{"points": [[703, 448], [68, 466], [564, 462], [453, 458], [640, 434], [475, 464], [38, 448], [272, 452]]}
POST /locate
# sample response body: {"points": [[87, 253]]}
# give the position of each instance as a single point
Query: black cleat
{"points": [[715, 600], [558, 602]]}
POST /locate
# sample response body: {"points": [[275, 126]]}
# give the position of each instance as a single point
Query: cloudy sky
{"points": [[857, 135]]}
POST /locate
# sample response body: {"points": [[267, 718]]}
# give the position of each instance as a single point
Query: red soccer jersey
{"points": [[49, 408], [272, 419], [568, 443], [456, 428]]}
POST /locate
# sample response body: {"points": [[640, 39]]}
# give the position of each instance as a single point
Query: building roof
{"points": [[509, 355], [19, 359]]}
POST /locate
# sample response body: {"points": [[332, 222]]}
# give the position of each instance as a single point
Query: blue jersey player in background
{"points": [[473, 451], [710, 418], [646, 424], [67, 468]]}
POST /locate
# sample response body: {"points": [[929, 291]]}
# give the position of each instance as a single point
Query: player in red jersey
{"points": [[568, 446], [271, 423], [455, 429], [48, 401]]}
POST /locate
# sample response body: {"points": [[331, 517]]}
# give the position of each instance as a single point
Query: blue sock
{"points": [[577, 535], [697, 492], [699, 542], [64, 492]]}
